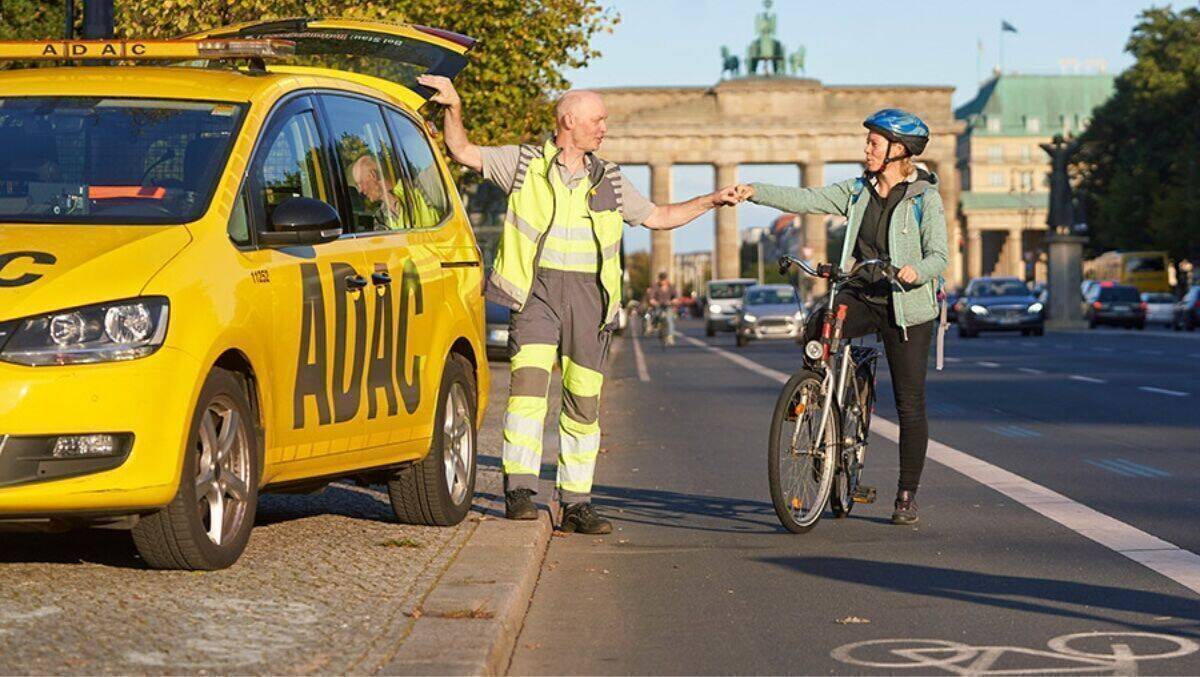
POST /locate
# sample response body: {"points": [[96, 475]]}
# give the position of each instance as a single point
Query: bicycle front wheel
{"points": [[799, 465]]}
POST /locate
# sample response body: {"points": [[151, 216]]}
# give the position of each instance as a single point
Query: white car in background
{"points": [[724, 300], [1160, 307]]}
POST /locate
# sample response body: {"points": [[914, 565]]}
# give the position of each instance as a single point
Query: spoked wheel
{"points": [[855, 425], [801, 467]]}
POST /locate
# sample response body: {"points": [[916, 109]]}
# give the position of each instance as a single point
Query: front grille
{"points": [[775, 323]]}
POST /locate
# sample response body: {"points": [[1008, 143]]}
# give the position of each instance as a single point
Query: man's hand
{"points": [[744, 191], [907, 275], [444, 91], [726, 197]]}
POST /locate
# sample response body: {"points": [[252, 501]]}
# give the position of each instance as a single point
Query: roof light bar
{"points": [[82, 50]]}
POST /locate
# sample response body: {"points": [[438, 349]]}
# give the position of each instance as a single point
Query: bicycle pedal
{"points": [[864, 495]]}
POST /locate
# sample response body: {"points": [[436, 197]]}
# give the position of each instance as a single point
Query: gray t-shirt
{"points": [[500, 167]]}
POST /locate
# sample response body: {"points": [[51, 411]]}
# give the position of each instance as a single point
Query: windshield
{"points": [[99, 161], [766, 297], [727, 290], [1000, 288], [1145, 264], [1120, 294]]}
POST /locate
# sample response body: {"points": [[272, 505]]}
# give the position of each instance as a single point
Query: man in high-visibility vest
{"points": [[558, 267]]}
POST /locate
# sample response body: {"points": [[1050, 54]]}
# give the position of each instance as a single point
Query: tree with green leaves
{"points": [[1139, 164]]}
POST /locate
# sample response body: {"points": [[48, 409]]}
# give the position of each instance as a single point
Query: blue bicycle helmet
{"points": [[900, 127]]}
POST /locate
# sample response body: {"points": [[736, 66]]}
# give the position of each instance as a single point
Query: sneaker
{"points": [[906, 508], [582, 517], [518, 505]]}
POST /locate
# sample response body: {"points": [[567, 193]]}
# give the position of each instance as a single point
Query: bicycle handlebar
{"points": [[829, 271]]}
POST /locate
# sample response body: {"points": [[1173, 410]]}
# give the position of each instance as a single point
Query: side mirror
{"points": [[302, 221]]}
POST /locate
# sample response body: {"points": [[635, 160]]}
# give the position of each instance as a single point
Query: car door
{"points": [[318, 295]]}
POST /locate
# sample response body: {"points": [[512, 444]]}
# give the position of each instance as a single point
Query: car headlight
{"points": [[749, 318], [799, 316], [1036, 308], [715, 309], [979, 310], [106, 332]]}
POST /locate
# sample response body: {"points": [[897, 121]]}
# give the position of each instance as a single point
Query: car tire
{"points": [[710, 330], [1140, 326], [740, 339], [1040, 331], [424, 493], [963, 333], [1091, 324], [177, 536]]}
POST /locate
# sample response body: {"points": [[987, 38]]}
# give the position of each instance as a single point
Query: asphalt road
{"points": [[699, 577]]}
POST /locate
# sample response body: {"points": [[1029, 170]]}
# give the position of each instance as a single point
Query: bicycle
{"points": [[832, 416], [660, 324]]}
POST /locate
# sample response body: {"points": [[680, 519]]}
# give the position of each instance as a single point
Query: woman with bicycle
{"points": [[894, 213]]}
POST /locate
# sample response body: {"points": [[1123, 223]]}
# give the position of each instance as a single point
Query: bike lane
{"points": [[699, 578]]}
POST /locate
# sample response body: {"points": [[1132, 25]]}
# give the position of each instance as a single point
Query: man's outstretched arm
{"points": [[461, 149], [667, 217]]}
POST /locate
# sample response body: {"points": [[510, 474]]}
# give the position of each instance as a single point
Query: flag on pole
{"points": [[1005, 26]]}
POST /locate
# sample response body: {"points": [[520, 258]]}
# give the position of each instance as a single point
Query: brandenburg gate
{"points": [[769, 119]]}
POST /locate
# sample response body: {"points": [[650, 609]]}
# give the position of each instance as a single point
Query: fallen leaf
{"points": [[852, 620]]}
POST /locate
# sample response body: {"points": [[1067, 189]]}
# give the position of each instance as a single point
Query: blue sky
{"points": [[677, 42]]}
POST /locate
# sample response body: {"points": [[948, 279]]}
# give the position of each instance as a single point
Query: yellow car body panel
{"points": [[226, 303]]}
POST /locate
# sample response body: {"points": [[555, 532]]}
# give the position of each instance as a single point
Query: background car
{"points": [[1114, 304], [1000, 304], [1187, 311], [497, 317], [724, 299], [1160, 307], [769, 311]]}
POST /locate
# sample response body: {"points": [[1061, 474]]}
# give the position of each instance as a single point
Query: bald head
{"points": [[580, 119]]}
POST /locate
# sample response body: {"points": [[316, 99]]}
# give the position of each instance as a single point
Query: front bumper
{"points": [[149, 399], [1009, 323], [722, 322], [497, 341], [771, 328]]}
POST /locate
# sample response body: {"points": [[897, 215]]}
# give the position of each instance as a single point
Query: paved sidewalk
{"points": [[330, 584]]}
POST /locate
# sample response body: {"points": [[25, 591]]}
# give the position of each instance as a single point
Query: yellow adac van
{"points": [[242, 267]]}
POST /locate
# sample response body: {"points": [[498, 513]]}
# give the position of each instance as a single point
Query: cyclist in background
{"points": [[663, 297]]}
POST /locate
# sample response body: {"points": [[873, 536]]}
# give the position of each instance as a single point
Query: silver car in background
{"points": [[769, 311], [1160, 307], [722, 304]]}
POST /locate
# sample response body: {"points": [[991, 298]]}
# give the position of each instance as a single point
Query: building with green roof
{"points": [[1004, 172]]}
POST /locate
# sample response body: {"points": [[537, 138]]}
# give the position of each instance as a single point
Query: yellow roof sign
{"points": [[58, 50]]}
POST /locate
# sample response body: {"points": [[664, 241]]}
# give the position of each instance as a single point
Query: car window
{"points": [[1144, 264], [89, 160], [1120, 294], [1000, 288], [428, 195], [366, 159], [293, 165], [726, 290], [763, 297]]}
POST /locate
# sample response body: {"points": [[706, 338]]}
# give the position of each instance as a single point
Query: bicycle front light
{"points": [[814, 350], [106, 332]]}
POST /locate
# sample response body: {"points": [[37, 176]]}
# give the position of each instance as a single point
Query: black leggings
{"points": [[907, 360]]}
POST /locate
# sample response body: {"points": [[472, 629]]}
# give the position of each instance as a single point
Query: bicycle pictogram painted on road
{"points": [[1115, 653]]}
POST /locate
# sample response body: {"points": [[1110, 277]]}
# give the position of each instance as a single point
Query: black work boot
{"points": [[582, 517], [906, 508], [518, 505]]}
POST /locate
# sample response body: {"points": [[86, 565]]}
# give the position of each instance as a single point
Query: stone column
{"points": [[1016, 249], [726, 246], [662, 255], [950, 189], [974, 253], [812, 175]]}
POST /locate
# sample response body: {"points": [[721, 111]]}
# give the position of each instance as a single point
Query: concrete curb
{"points": [[470, 620]]}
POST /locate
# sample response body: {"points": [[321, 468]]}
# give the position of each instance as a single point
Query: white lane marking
{"points": [[1163, 391], [1103, 350], [953, 359], [1062, 345], [1028, 344], [989, 365], [1030, 370], [1086, 379], [1168, 559], [1195, 355], [1149, 352], [639, 359]]}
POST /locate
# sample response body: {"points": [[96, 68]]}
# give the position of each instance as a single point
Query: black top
{"points": [[872, 243]]}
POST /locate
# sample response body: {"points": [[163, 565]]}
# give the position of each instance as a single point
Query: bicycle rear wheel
{"points": [[800, 467]]}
